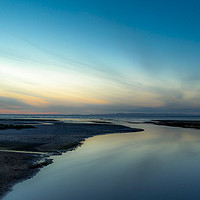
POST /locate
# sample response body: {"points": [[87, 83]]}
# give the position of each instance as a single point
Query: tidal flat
{"points": [[26, 144], [159, 163]]}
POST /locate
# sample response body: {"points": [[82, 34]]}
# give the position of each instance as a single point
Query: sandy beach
{"points": [[24, 151]]}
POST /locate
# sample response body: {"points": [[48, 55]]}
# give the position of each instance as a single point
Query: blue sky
{"points": [[84, 57]]}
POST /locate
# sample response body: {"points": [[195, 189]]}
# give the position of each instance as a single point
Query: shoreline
{"points": [[15, 169], [21, 160]]}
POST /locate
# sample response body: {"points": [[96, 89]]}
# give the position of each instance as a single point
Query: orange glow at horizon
{"points": [[10, 111]]}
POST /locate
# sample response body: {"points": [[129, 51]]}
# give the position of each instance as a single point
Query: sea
{"points": [[116, 116]]}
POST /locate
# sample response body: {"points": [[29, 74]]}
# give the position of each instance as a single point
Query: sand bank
{"points": [[177, 123]]}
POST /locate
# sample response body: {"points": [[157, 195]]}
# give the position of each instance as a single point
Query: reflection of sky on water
{"points": [[159, 163]]}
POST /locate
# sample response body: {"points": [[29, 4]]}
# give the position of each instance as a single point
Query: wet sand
{"points": [[17, 158], [14, 167]]}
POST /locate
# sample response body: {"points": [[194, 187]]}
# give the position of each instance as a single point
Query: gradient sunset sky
{"points": [[70, 56]]}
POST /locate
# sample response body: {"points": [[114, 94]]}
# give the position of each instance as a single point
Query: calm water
{"points": [[120, 116], [159, 163]]}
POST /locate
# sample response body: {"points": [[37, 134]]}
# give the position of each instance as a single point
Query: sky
{"points": [[87, 57]]}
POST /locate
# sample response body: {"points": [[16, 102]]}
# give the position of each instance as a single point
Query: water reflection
{"points": [[159, 163]]}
